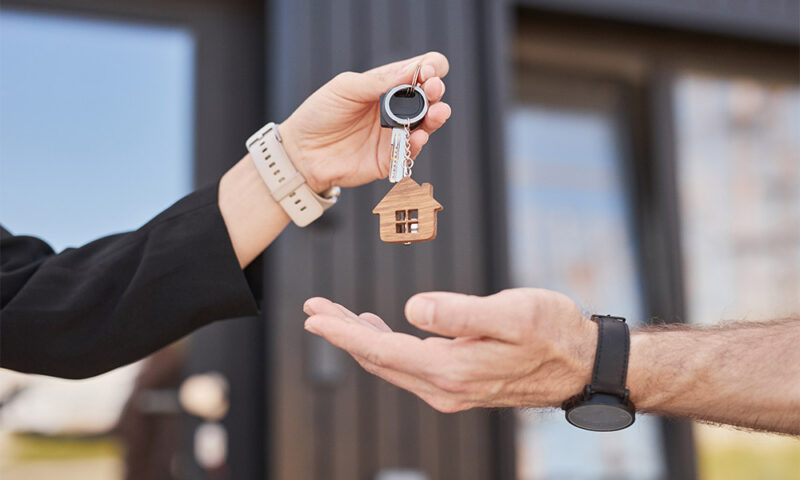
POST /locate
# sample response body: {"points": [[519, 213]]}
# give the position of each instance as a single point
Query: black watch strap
{"points": [[611, 357], [604, 405]]}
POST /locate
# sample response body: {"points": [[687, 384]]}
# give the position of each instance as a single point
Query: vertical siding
{"points": [[329, 418]]}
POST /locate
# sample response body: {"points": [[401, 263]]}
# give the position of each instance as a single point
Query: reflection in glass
{"points": [[739, 190], [570, 230], [739, 180]]}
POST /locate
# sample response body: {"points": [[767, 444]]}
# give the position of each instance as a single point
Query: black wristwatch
{"points": [[604, 406]]}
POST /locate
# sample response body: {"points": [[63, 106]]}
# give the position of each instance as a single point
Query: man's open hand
{"points": [[521, 347], [335, 137]]}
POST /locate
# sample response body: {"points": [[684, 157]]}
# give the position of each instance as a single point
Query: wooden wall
{"points": [[329, 419]]}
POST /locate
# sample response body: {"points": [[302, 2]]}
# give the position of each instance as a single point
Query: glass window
{"points": [[96, 125], [570, 230], [739, 178], [738, 162]]}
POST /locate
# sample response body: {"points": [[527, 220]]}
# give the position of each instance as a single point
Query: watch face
{"points": [[600, 417]]}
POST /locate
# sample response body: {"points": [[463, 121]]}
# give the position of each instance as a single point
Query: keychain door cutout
{"points": [[408, 213]]}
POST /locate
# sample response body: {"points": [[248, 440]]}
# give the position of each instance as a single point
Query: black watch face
{"points": [[600, 417]]}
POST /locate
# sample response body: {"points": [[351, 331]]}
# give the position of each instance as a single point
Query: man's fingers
{"points": [[458, 315], [403, 380], [397, 351], [419, 366], [376, 321], [323, 306], [317, 305]]}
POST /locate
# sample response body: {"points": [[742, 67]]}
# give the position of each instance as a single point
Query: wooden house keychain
{"points": [[408, 212]]}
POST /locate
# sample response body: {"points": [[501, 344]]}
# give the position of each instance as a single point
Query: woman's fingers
{"points": [[419, 138], [438, 113], [439, 66], [369, 85], [434, 89]]}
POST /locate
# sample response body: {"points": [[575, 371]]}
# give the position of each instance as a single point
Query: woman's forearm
{"points": [[745, 374], [252, 217]]}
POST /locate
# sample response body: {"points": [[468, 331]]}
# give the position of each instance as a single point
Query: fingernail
{"points": [[421, 310], [444, 87], [307, 308], [309, 326]]}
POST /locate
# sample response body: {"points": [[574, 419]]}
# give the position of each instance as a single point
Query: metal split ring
{"points": [[416, 77]]}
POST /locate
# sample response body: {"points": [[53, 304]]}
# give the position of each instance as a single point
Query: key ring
{"points": [[414, 80]]}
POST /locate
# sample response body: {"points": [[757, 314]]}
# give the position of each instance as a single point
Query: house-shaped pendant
{"points": [[408, 213]]}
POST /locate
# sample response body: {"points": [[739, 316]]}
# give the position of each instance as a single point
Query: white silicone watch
{"points": [[287, 186]]}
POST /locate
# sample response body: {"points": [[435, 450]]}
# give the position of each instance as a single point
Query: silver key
{"points": [[402, 109]]}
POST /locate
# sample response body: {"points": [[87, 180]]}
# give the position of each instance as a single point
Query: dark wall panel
{"points": [[330, 419]]}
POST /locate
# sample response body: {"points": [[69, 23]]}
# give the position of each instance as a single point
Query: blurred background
{"points": [[642, 156]]}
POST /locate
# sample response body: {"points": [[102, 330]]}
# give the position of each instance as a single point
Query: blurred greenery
{"points": [[37, 457], [728, 454], [25, 447]]}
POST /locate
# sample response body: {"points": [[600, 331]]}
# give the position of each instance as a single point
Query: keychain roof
{"points": [[408, 213]]}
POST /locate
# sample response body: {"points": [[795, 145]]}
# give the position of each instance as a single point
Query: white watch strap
{"points": [[285, 183]]}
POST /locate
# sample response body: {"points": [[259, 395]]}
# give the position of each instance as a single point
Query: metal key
{"points": [[402, 109]]}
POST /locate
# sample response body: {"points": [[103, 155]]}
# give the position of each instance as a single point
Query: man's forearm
{"points": [[744, 374], [528, 347]]}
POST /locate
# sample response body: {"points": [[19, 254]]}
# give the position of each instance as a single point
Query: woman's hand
{"points": [[335, 137]]}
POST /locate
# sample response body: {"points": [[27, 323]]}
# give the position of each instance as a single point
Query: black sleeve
{"points": [[88, 310]]}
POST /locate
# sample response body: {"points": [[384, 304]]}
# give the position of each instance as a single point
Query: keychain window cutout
{"points": [[408, 213], [407, 221]]}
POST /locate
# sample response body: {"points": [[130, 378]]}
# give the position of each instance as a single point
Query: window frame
{"points": [[404, 221]]}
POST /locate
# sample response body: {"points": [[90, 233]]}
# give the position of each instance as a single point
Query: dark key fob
{"points": [[403, 105]]}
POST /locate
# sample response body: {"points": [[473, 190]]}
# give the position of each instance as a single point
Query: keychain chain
{"points": [[408, 162]]}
